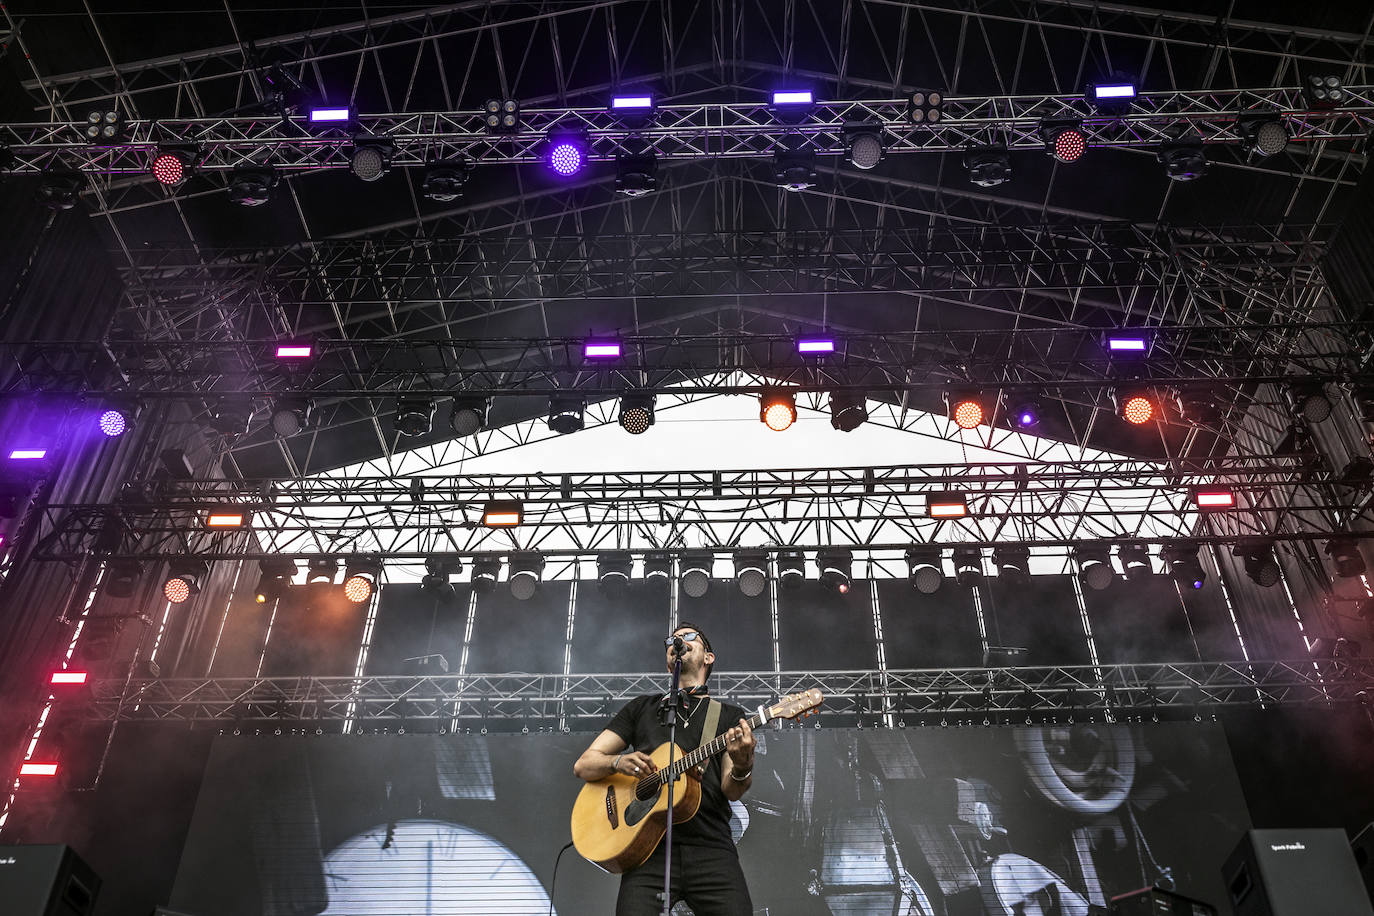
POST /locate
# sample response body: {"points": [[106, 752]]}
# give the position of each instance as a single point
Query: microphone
{"points": [[676, 643]]}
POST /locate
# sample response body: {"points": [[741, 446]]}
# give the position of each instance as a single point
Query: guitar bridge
{"points": [[612, 813]]}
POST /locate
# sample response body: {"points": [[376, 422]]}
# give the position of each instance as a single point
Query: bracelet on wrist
{"points": [[615, 764], [741, 778]]}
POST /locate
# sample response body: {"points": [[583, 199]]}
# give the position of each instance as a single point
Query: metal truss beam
{"points": [[880, 510], [895, 364], [544, 700], [699, 131]]}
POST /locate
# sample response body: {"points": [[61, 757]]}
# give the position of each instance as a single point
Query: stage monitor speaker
{"points": [[1152, 901], [1363, 847], [1295, 873], [46, 881]]}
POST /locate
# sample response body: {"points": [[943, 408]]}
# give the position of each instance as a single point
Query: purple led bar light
{"points": [[601, 349], [294, 351], [816, 345], [1113, 92], [632, 102], [329, 115], [28, 454], [794, 97], [1126, 343]]}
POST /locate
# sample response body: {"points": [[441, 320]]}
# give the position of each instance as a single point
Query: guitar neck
{"points": [[707, 751]]}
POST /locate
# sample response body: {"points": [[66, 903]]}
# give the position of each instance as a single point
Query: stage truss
{"points": [[542, 701]]}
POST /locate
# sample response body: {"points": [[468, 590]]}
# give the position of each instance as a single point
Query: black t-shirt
{"points": [[637, 723]]}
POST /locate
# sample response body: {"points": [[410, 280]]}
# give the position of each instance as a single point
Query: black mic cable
{"points": [[553, 883]]}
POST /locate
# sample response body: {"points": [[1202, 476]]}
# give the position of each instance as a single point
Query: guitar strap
{"points": [[708, 728]]}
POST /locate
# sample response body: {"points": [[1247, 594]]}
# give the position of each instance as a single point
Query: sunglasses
{"points": [[690, 636]]}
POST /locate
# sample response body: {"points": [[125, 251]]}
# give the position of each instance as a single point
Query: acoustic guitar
{"points": [[617, 821]]}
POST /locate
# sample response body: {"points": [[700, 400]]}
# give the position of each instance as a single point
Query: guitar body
{"points": [[615, 830]]}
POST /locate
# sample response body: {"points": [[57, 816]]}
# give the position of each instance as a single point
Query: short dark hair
{"points": [[705, 641]]}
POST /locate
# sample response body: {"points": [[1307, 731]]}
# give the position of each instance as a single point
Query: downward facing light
{"points": [[778, 410]]}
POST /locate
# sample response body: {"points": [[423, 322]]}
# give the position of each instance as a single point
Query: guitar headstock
{"points": [[796, 704]]}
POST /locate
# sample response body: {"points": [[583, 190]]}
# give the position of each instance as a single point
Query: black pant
{"points": [[707, 877]]}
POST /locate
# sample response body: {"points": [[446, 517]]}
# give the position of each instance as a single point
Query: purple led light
{"points": [[566, 158], [1126, 344], [329, 115], [794, 97], [293, 351], [816, 345], [1114, 91], [601, 349], [113, 423], [28, 454], [632, 102], [1027, 418]]}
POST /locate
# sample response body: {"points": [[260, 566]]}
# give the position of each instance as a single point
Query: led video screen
{"points": [[941, 821]]}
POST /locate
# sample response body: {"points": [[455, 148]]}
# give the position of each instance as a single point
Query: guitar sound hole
{"points": [[646, 789]]}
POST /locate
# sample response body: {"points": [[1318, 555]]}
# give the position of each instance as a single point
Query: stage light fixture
{"points": [[526, 570], [1214, 499], [485, 571], [848, 410], [291, 415], [184, 579], [114, 422], [104, 126], [121, 578], [6, 157], [370, 159], [58, 188], [613, 570], [294, 351], [231, 417], [468, 416], [658, 571], [1265, 135], [694, 572], [414, 416], [1113, 96], [1064, 140], [1135, 561], [965, 408], [794, 167], [227, 517], [988, 166], [1135, 407], [636, 412], [361, 578], [501, 115], [28, 454], [37, 768], [503, 513], [946, 505], [1183, 160], [835, 565], [604, 349], [1094, 567], [968, 566], [1127, 342], [793, 98], [331, 116], [751, 572], [252, 186], [1026, 413], [636, 174], [778, 409], [172, 166], [925, 107], [1324, 91], [1346, 557], [276, 575], [1259, 561], [816, 346], [1200, 406], [1308, 399], [632, 104], [1183, 565], [322, 570], [443, 181], [567, 154], [791, 569], [68, 678], [924, 569], [1012, 563], [865, 147], [566, 414], [438, 571]]}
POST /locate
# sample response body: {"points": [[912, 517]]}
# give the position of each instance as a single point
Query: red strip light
{"points": [[68, 677], [225, 520], [1215, 499], [38, 769]]}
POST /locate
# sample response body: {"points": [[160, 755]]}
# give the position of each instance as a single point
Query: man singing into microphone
{"points": [[706, 871]]}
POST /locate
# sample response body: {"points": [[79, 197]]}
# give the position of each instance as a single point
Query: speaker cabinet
{"points": [[1295, 873], [1363, 847], [46, 881], [1152, 901]]}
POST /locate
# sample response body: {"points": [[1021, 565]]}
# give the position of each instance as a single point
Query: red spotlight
{"points": [[1136, 409], [169, 168], [177, 590], [68, 677], [34, 768], [1069, 145]]}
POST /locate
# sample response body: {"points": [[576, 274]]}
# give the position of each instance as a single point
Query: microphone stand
{"points": [[668, 713]]}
